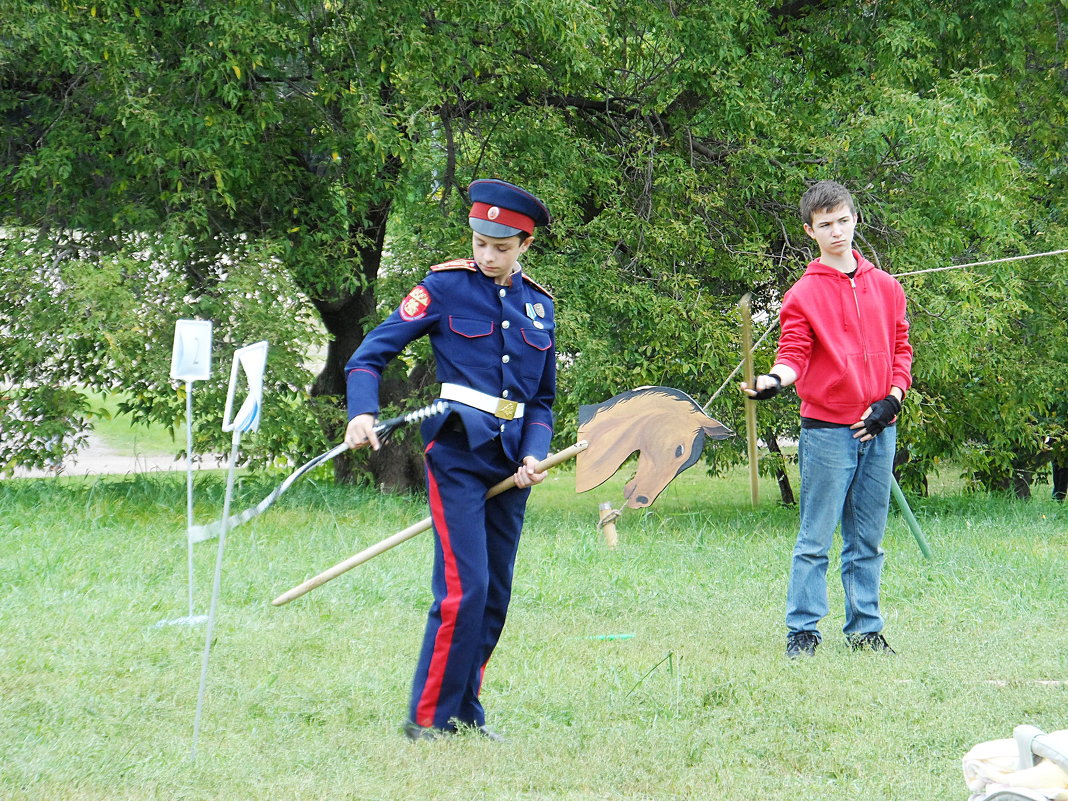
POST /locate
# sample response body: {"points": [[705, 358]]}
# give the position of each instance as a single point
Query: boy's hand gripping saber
{"points": [[411, 531]]}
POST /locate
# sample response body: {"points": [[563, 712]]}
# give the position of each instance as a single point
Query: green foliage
{"points": [[672, 142], [105, 322]]}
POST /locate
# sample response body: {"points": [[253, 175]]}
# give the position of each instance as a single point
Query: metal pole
{"points": [[910, 518], [214, 594], [189, 486]]}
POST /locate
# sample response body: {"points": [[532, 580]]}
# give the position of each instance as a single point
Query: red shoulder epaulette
{"points": [[455, 264], [538, 286]]}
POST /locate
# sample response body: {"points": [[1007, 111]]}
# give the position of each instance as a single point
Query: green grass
{"points": [[128, 439], [305, 701]]}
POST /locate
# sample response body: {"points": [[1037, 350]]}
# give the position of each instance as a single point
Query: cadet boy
{"points": [[493, 335], [845, 343]]}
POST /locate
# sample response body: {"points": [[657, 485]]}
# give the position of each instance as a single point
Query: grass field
{"points": [[129, 440], [305, 701]]}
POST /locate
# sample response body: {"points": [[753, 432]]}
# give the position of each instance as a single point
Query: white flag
{"points": [[252, 361]]}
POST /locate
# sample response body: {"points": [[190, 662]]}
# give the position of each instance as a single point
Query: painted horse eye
{"points": [[679, 451]]}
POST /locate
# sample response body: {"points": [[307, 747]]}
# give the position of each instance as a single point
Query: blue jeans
{"points": [[848, 481]]}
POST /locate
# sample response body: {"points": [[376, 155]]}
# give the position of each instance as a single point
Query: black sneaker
{"points": [[483, 731], [415, 732], [801, 643], [869, 641], [491, 735]]}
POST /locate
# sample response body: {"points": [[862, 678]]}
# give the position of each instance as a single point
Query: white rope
{"points": [[981, 263], [734, 372], [763, 336]]}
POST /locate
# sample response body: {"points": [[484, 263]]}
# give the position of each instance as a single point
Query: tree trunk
{"points": [[342, 323], [786, 492], [1021, 483], [397, 466], [1060, 480]]}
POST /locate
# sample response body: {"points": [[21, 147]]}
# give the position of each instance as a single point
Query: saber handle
{"points": [[414, 529]]}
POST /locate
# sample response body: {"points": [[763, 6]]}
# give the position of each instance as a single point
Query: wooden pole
{"points": [[750, 404], [413, 530]]}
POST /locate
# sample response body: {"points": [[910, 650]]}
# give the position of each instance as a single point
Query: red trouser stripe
{"points": [[428, 700]]}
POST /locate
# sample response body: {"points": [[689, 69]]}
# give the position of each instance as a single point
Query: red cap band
{"points": [[499, 214]]}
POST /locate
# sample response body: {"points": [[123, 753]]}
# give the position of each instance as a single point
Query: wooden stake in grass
{"points": [[413, 530], [607, 524]]}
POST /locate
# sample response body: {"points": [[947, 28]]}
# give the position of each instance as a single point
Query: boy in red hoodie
{"points": [[845, 345]]}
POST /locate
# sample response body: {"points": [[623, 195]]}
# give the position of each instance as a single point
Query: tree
{"points": [[670, 139]]}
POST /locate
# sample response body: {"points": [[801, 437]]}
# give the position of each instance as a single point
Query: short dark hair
{"points": [[824, 196]]}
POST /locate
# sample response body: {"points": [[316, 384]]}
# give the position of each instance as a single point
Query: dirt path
{"points": [[97, 458]]}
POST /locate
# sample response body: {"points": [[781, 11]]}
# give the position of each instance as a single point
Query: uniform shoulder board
{"points": [[538, 286], [455, 264]]}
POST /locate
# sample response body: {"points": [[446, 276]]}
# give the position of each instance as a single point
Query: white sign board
{"points": [[191, 357]]}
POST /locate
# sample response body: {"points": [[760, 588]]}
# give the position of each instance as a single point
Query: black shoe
{"points": [[869, 641], [491, 735], [415, 732], [801, 643]]}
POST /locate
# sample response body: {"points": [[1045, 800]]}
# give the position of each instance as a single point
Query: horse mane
{"points": [[587, 412]]}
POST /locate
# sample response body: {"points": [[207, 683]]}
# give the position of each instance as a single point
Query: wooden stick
{"points": [[607, 524], [413, 530], [750, 404]]}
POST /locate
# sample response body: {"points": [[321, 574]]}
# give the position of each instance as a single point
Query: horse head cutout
{"points": [[665, 426]]}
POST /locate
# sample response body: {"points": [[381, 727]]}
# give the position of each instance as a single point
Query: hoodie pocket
{"points": [[848, 390]]}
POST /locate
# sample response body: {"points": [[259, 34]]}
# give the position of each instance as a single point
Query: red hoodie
{"points": [[846, 338]]}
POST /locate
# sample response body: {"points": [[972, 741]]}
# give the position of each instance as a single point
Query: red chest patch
{"points": [[414, 306]]}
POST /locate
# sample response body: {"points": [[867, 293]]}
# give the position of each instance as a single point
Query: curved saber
{"points": [[382, 430]]}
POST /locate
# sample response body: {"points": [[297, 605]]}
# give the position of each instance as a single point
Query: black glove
{"points": [[882, 413], [769, 392]]}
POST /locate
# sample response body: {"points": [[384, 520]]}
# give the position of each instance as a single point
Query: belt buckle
{"points": [[505, 409]]}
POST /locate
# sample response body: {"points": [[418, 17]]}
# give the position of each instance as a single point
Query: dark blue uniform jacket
{"points": [[494, 339]]}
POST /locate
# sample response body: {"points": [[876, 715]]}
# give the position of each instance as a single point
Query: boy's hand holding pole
{"points": [[765, 386], [768, 385], [528, 474]]}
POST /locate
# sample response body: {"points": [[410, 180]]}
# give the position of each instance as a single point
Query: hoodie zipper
{"points": [[863, 337]]}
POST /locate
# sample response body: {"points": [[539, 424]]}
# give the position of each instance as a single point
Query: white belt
{"points": [[499, 407]]}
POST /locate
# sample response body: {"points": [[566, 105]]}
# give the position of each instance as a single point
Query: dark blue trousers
{"points": [[474, 554]]}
